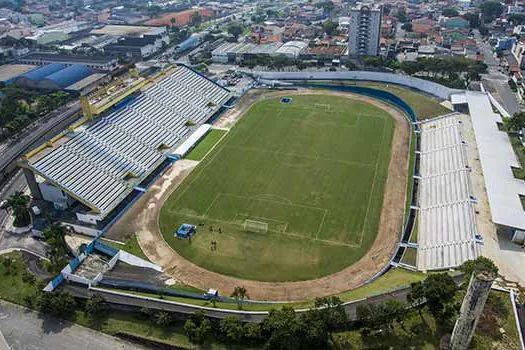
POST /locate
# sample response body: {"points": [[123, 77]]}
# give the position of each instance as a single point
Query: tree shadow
{"points": [[52, 324]]}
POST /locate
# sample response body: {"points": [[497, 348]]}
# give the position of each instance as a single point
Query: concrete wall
{"points": [[426, 86], [136, 261]]}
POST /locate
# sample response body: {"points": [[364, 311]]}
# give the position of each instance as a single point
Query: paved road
{"points": [[16, 183], [26, 329], [50, 125], [495, 81]]}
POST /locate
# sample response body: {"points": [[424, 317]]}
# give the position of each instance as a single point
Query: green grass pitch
{"points": [[314, 170]]}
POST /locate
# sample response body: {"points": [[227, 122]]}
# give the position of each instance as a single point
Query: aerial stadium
{"points": [[304, 186]]}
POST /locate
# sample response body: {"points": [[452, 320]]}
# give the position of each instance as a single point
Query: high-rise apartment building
{"points": [[364, 31]]}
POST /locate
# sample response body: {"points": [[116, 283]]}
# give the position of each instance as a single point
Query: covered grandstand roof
{"points": [[101, 163], [54, 76], [497, 160]]}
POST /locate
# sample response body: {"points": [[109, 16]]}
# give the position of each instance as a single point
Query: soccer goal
{"points": [[255, 226]]}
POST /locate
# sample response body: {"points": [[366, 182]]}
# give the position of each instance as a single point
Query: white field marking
{"points": [[211, 205], [346, 162], [271, 201], [322, 105], [269, 195], [290, 234], [198, 171], [321, 225], [215, 145], [373, 184]]}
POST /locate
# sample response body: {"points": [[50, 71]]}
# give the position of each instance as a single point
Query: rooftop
{"points": [[123, 30], [497, 160], [10, 71], [67, 58]]}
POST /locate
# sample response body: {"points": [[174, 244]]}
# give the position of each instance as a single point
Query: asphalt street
{"points": [[496, 82], [38, 132], [28, 330]]}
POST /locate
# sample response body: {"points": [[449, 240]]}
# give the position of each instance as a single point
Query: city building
{"points": [[100, 62], [364, 31], [136, 48]]}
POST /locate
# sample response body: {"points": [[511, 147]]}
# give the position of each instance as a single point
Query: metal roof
{"points": [[102, 162], [497, 159], [69, 75], [44, 71]]}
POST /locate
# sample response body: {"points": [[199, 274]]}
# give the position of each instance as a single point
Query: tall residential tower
{"points": [[364, 31]]}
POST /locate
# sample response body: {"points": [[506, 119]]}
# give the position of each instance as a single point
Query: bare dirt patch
{"points": [[144, 216]]}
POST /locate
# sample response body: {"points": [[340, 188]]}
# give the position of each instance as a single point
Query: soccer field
{"points": [[313, 170]]}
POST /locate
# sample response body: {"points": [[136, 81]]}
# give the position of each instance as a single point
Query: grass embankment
{"points": [[313, 170], [132, 246], [519, 149], [206, 144], [410, 256], [390, 281], [423, 105]]}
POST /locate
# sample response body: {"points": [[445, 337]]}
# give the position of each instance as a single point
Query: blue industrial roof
{"points": [[42, 72], [69, 75]]}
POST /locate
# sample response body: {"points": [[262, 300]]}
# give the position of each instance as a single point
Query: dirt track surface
{"points": [[143, 218]]}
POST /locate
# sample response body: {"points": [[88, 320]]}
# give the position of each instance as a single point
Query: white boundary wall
{"points": [[426, 86], [136, 261]]}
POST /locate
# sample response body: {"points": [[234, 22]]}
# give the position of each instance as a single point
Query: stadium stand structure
{"points": [[447, 224], [101, 162]]}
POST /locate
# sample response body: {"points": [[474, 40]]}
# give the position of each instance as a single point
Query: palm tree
{"points": [[58, 249], [239, 293], [18, 203]]}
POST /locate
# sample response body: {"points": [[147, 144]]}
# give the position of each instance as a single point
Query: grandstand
{"points": [[447, 225], [100, 163]]}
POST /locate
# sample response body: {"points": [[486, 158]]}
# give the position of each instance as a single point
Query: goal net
{"points": [[255, 226]]}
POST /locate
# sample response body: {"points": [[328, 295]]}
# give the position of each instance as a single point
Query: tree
{"points": [[482, 263], [57, 250], [173, 21], [95, 305], [416, 297], [329, 27], [235, 29], [516, 122], [18, 203], [439, 291], [57, 303], [491, 10], [232, 329], [196, 18], [198, 328], [450, 12], [407, 27], [239, 293], [252, 332], [402, 16], [473, 18], [327, 6], [331, 311], [282, 329], [397, 311], [163, 318]]}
